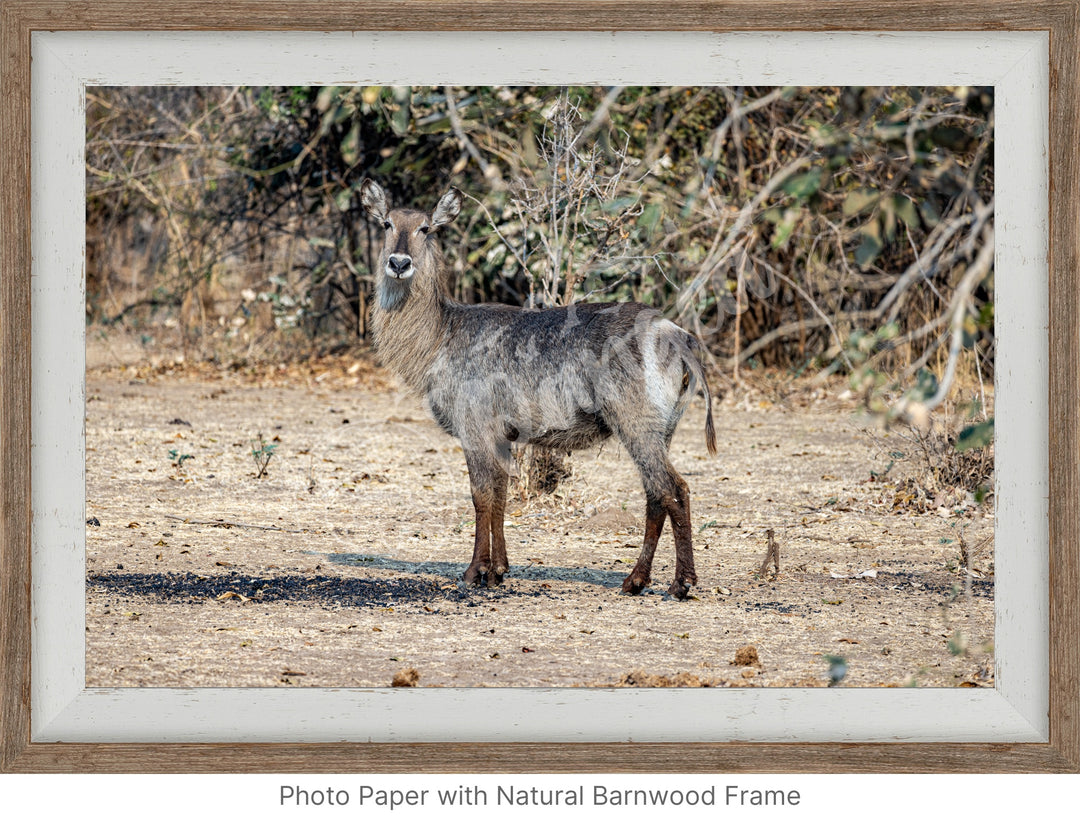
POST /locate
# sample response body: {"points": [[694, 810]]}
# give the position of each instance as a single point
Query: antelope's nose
{"points": [[399, 265]]}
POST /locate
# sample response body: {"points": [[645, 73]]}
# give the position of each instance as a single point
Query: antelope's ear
{"points": [[447, 208], [373, 199]]}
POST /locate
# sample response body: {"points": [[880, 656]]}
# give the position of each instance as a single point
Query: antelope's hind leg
{"points": [[678, 508], [667, 496], [638, 579]]}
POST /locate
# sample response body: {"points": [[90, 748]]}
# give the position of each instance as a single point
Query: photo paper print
{"points": [[524, 386]]}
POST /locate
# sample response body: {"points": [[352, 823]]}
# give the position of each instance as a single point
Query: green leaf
{"points": [[784, 228], [860, 200], [350, 145], [804, 185], [619, 204], [773, 215], [650, 217], [871, 244], [926, 385], [975, 436], [399, 122], [905, 211], [930, 213], [888, 215], [391, 163], [950, 137]]}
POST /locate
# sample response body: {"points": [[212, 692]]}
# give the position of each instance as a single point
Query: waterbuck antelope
{"points": [[563, 378]]}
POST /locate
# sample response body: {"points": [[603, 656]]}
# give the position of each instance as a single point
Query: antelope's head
{"points": [[410, 250]]}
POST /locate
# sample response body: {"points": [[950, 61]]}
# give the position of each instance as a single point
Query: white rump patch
{"points": [[661, 383]]}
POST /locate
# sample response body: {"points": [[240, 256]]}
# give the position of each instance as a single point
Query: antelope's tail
{"points": [[698, 372]]}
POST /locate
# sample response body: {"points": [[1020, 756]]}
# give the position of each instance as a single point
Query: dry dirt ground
{"points": [[341, 566]]}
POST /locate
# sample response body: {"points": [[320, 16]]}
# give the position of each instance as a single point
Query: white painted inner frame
{"points": [[63, 709]]}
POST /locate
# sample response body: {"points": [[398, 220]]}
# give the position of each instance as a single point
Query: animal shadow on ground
{"points": [[331, 590], [452, 570]]}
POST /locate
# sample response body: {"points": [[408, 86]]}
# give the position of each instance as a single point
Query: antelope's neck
{"points": [[407, 338]]}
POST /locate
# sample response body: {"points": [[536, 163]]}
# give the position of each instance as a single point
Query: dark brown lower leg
{"points": [[638, 579], [678, 508], [499, 563], [481, 559]]}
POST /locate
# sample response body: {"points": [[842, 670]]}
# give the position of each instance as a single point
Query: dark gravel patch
{"points": [[778, 607], [186, 587], [944, 585]]}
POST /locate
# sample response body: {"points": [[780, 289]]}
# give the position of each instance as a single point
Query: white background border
{"points": [[64, 710]]}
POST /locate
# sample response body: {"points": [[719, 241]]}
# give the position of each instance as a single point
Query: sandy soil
{"points": [[340, 567]]}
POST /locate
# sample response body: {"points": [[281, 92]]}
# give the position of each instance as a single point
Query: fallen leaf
{"points": [[225, 596], [409, 677], [747, 656]]}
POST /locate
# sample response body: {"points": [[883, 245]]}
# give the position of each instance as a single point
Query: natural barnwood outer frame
{"points": [[1061, 19]]}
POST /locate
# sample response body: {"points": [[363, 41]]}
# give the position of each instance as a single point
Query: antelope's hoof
{"points": [[494, 578], [681, 588], [473, 577], [634, 584]]}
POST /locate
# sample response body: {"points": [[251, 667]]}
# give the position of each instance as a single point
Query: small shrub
{"points": [[262, 453]]}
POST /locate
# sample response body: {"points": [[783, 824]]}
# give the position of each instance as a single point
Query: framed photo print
{"points": [[539, 387]]}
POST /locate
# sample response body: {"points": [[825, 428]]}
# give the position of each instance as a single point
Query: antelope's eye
{"points": [[387, 225], [424, 229]]}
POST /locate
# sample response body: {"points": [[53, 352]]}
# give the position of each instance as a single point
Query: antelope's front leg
{"points": [[500, 565], [481, 559], [482, 480]]}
